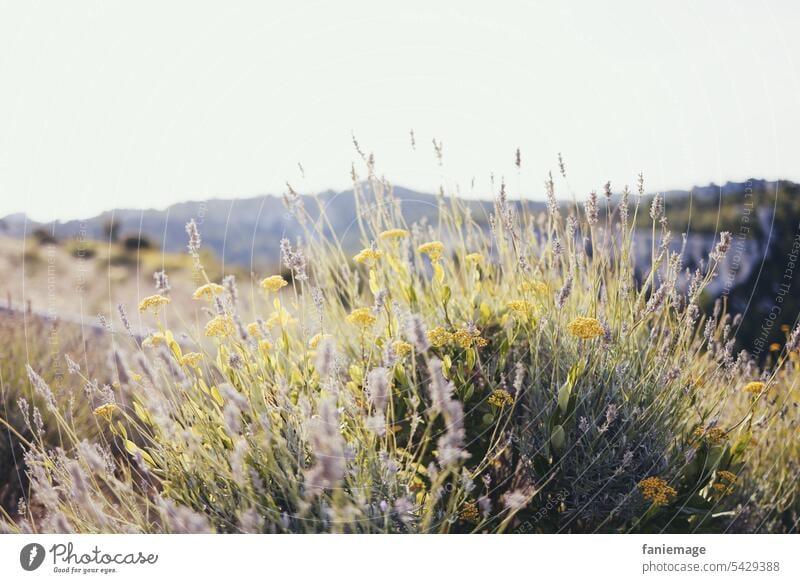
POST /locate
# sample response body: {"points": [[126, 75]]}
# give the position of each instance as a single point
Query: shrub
{"points": [[137, 242], [26, 421], [445, 379]]}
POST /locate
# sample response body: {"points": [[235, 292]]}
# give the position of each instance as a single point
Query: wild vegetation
{"points": [[443, 379]]}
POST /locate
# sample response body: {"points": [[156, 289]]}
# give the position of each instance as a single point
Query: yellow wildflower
{"points": [[220, 326], [264, 346], [106, 411], [467, 338], [474, 258], [208, 290], [657, 491], [500, 398], [754, 388], [393, 234], [726, 476], [438, 337], [774, 347], [154, 340], [432, 249], [521, 307], [153, 302], [715, 435], [191, 359], [469, 512], [273, 283], [401, 348], [368, 256], [254, 329], [585, 328], [362, 317], [536, 287], [722, 488]]}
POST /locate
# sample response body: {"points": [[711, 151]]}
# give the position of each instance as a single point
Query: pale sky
{"points": [[140, 104]]}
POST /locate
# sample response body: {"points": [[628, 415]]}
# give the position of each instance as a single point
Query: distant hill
{"points": [[239, 231]]}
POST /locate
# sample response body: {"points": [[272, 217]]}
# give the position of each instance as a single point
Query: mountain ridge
{"points": [[242, 230]]}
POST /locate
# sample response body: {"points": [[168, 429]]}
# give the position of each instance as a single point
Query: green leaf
{"points": [[446, 293], [558, 439], [132, 448], [470, 358], [740, 446], [373, 282], [141, 413], [438, 272], [564, 394]]}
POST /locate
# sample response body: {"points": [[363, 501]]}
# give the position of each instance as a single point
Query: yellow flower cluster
{"points": [[208, 290], [264, 346], [469, 512], [754, 388], [500, 398], [438, 337], [585, 328], [657, 491], [463, 337], [192, 359], [467, 338], [154, 340], [726, 476], [474, 258], [432, 249], [273, 283], [254, 329], [393, 234], [724, 483], [362, 317], [714, 435], [521, 307], [368, 256], [401, 348], [536, 287], [153, 302], [221, 325], [722, 489], [106, 411]]}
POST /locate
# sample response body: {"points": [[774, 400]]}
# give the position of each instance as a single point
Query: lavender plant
{"points": [[443, 379]]}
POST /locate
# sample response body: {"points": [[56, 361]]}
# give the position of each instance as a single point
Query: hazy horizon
{"points": [[113, 105], [487, 196]]}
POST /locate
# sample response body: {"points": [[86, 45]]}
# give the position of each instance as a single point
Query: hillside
{"points": [[239, 231]]}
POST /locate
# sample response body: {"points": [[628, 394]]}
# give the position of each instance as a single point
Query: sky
{"points": [[119, 104]]}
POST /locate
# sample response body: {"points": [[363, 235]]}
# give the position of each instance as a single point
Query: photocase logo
{"points": [[31, 556]]}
